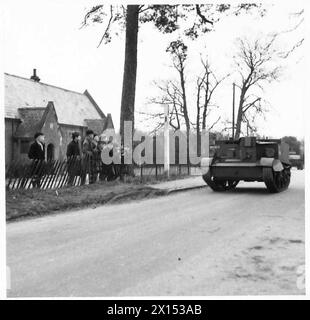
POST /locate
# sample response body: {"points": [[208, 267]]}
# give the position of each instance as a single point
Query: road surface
{"points": [[190, 243]]}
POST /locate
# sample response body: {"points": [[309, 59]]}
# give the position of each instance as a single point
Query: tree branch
{"points": [[108, 26], [203, 18], [89, 13], [214, 123], [249, 105]]}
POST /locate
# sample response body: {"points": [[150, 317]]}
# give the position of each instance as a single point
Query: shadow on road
{"points": [[253, 190]]}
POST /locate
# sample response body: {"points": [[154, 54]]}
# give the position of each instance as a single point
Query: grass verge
{"points": [[31, 203]]}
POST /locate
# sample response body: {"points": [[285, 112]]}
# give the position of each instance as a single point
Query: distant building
{"points": [[32, 106]]}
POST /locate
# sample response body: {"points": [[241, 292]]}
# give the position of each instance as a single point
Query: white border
{"points": [[307, 164], [2, 169]]}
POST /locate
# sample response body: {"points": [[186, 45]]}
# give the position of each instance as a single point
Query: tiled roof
{"points": [[31, 122], [71, 107], [96, 125], [109, 122], [99, 125]]}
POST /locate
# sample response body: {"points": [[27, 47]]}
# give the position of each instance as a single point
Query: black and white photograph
{"points": [[153, 150]]}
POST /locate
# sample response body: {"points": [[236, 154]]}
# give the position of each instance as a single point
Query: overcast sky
{"points": [[46, 35]]}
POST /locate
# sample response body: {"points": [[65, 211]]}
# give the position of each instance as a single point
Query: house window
{"points": [[24, 146]]}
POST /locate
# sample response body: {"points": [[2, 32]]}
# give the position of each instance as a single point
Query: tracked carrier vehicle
{"points": [[248, 159]]}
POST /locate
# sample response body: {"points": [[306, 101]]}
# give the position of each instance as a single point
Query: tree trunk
{"points": [[129, 77], [186, 117], [206, 104], [239, 116], [198, 138], [198, 133]]}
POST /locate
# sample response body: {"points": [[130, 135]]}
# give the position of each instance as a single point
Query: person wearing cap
{"points": [[37, 148], [88, 145], [37, 153], [73, 157], [88, 149], [73, 148], [96, 160]]}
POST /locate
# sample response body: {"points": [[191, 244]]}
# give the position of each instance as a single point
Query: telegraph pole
{"points": [[166, 142], [233, 113]]}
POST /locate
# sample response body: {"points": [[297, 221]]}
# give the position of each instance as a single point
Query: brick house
{"points": [[32, 106]]}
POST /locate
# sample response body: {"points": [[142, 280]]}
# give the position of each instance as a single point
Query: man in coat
{"points": [[37, 148], [73, 158], [73, 148], [37, 153], [88, 149]]}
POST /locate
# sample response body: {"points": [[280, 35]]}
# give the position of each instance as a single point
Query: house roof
{"points": [[31, 122], [96, 125], [71, 107], [109, 122], [100, 125]]}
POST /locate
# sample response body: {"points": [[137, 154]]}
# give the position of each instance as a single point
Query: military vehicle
{"points": [[296, 160], [248, 159]]}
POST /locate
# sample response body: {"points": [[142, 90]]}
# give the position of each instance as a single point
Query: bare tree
{"points": [[171, 95], [165, 18], [206, 85], [256, 62], [178, 51], [259, 62]]}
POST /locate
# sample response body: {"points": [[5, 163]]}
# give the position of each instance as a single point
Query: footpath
{"points": [[193, 182]]}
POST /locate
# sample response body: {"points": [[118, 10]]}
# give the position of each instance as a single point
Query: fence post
{"points": [[141, 172]]}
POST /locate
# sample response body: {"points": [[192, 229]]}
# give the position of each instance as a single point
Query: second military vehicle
{"points": [[296, 160]]}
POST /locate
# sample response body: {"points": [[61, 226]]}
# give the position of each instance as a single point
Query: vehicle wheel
{"points": [[232, 184], [276, 181], [219, 185]]}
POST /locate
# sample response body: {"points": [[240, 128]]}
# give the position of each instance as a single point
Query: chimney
{"points": [[34, 77]]}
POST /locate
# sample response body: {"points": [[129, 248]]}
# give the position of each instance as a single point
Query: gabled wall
{"points": [[10, 144], [51, 130]]}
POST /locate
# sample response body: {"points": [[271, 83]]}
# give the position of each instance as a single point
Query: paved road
{"points": [[190, 243]]}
